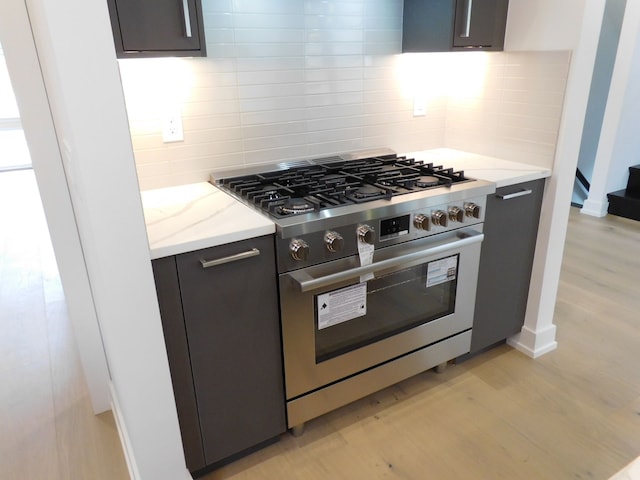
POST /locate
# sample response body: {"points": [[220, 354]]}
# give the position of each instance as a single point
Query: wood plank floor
{"points": [[571, 414], [47, 426]]}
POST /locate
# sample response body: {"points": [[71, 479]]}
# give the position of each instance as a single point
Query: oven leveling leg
{"points": [[297, 430], [441, 368]]}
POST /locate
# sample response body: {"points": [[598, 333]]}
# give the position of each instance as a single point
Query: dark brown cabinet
{"points": [[510, 232], [449, 25], [222, 331], [157, 28]]}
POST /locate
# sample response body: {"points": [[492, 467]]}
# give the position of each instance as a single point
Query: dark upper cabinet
{"points": [[157, 28], [450, 25]]}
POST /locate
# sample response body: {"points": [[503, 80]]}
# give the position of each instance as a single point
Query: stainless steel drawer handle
{"points": [[254, 252], [509, 196], [467, 26], [307, 282], [187, 18]]}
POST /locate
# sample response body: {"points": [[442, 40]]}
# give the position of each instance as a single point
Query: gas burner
{"points": [[333, 179], [367, 191], [295, 206], [319, 185], [427, 181], [268, 192]]}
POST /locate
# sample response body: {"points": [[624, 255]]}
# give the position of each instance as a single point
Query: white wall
{"points": [[619, 140], [87, 107], [30, 91], [538, 334], [601, 81], [543, 24], [288, 80]]}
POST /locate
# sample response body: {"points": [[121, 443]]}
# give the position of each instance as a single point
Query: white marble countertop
{"points": [[190, 217], [501, 172], [630, 472]]}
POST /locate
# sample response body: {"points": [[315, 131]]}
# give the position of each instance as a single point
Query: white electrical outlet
{"points": [[419, 107], [172, 129]]}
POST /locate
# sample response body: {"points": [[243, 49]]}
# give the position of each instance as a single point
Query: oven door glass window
{"points": [[365, 313]]}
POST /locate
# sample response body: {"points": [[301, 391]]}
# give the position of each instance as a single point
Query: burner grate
{"points": [[337, 183]]}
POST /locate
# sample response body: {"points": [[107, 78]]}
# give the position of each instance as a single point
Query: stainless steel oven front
{"points": [[350, 329]]}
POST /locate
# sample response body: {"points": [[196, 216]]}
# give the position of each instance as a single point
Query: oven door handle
{"points": [[308, 283]]}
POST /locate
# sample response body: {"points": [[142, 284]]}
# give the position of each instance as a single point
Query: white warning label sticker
{"points": [[441, 271], [341, 305]]}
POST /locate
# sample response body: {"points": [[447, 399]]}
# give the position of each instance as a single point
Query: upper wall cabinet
{"points": [[157, 28], [446, 25]]}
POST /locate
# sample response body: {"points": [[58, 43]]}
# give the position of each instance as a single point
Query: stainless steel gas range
{"points": [[377, 262]]}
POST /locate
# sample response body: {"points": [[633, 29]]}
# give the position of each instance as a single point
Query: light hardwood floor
{"points": [[47, 427], [571, 414]]}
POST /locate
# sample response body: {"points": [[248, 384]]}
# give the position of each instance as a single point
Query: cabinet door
{"points": [[233, 328], [510, 232], [157, 25], [445, 25], [480, 24], [427, 25], [165, 274]]}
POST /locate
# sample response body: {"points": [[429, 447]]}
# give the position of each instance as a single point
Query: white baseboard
{"points": [[595, 208], [124, 436], [534, 343], [129, 457]]}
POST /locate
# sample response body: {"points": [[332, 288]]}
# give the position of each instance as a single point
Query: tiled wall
{"points": [[292, 79], [517, 114]]}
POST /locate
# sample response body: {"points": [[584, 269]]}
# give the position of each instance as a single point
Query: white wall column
{"points": [[538, 334], [22, 62], [619, 145], [84, 94]]}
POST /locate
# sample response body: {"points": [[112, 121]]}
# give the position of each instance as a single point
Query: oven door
{"points": [[340, 318]]}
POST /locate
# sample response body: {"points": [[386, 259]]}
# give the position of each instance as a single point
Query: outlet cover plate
{"points": [[172, 129]]}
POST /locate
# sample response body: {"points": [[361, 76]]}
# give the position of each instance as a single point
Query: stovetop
{"points": [[335, 182]]}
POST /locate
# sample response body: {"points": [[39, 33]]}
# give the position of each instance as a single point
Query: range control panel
{"points": [[343, 241]]}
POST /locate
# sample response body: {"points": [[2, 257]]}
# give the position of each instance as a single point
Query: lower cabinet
{"points": [[510, 229], [219, 309]]}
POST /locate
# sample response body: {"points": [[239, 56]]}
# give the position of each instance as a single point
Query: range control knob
{"points": [[472, 210], [456, 214], [365, 234], [299, 249], [421, 222], [333, 241], [438, 217]]}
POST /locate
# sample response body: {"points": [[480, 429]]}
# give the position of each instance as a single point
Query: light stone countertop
{"points": [[190, 217], [630, 472], [481, 167]]}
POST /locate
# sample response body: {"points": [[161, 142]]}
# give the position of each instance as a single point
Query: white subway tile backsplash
{"points": [[269, 49], [291, 79], [217, 6], [262, 77], [269, 117], [342, 48], [269, 35], [271, 63], [270, 21], [334, 7], [268, 7]]}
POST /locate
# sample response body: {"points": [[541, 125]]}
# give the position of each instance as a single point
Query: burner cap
{"points": [[333, 178], [269, 192], [427, 181], [368, 191], [296, 205]]}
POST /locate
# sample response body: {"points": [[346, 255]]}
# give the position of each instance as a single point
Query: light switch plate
{"points": [[172, 129]]}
